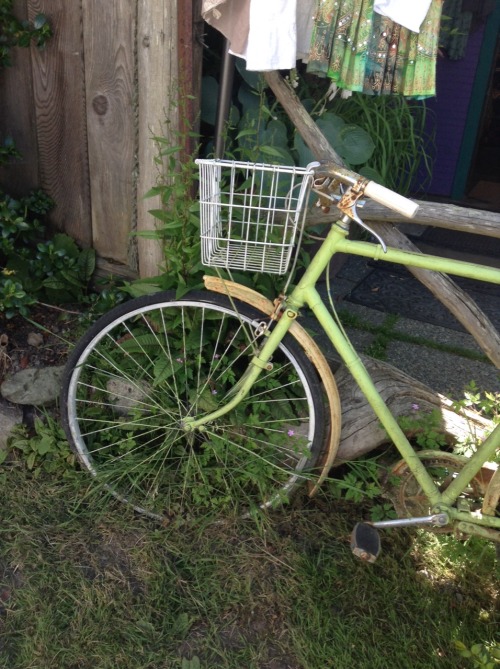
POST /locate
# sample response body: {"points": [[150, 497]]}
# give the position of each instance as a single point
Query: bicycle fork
{"points": [[261, 361]]}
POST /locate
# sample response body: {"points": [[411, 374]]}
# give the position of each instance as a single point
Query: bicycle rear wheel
{"points": [[147, 365]]}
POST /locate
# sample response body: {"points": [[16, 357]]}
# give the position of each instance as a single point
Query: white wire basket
{"points": [[250, 214]]}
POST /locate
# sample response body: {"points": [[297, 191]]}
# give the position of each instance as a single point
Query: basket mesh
{"points": [[250, 214]]}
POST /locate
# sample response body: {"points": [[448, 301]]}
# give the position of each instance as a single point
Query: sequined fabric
{"points": [[363, 51]]}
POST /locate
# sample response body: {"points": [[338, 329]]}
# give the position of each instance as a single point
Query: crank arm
{"points": [[365, 540], [436, 519]]}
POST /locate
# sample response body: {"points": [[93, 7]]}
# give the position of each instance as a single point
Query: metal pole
{"points": [[224, 101]]}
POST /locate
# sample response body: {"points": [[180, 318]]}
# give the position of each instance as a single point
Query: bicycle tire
{"points": [[146, 365]]}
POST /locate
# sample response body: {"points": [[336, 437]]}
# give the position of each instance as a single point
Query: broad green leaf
{"points": [[54, 283], [331, 126], [357, 146], [86, 264], [64, 243], [372, 175], [71, 277], [254, 79], [304, 153], [276, 135], [209, 98]]}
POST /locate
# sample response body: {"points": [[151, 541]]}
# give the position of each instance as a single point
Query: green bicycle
{"points": [[222, 400]]}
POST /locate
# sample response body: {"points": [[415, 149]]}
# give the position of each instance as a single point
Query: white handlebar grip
{"points": [[391, 199]]}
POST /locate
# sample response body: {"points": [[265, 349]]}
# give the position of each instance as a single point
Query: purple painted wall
{"points": [[454, 81]]}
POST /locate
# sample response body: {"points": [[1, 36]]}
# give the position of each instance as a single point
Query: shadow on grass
{"points": [[91, 585]]}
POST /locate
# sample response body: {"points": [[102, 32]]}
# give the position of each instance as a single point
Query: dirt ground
{"points": [[43, 339]]}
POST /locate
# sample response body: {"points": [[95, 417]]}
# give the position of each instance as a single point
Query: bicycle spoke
{"points": [[146, 370]]}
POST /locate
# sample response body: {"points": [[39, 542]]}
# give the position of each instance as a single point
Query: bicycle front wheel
{"points": [[149, 364]]}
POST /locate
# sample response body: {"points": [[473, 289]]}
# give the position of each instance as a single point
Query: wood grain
{"points": [[17, 117], [435, 214], [59, 100], [109, 46], [361, 429], [158, 85]]}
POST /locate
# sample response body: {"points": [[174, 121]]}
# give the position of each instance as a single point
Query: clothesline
{"points": [[371, 46]]}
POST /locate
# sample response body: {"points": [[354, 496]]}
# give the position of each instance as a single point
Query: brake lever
{"points": [[353, 215], [347, 203]]}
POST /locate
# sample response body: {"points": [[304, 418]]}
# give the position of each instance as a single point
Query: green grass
{"points": [[87, 585]]}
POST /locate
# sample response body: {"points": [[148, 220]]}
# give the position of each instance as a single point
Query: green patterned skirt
{"points": [[363, 51]]}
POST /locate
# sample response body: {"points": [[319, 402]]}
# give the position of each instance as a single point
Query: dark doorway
{"points": [[484, 179]]}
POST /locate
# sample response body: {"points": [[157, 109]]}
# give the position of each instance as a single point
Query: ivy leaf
{"points": [[39, 21], [54, 283], [86, 264]]}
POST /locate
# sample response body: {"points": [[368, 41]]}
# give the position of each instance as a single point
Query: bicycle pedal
{"points": [[365, 542]]}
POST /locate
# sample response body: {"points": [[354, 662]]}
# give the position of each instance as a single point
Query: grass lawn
{"points": [[84, 583]]}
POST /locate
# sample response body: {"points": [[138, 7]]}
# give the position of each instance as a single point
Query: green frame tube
{"points": [[305, 294]]}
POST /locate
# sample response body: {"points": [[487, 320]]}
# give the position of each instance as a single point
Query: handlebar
{"points": [[384, 196]]}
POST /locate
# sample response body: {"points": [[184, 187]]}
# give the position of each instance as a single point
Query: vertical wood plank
{"points": [[59, 98], [17, 117], [109, 43], [197, 46], [158, 85], [189, 28]]}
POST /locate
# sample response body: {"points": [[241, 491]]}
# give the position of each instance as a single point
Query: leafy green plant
{"points": [[13, 298], [401, 134], [484, 656], [178, 222], [35, 268], [178, 225], [14, 32], [486, 403], [259, 130], [45, 449], [424, 428], [385, 138], [32, 267], [359, 482]]}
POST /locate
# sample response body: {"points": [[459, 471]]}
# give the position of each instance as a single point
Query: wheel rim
{"points": [[137, 380]]}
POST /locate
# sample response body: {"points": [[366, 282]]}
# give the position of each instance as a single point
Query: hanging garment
{"points": [[268, 34], [231, 18], [409, 14], [305, 24], [366, 52], [272, 38]]}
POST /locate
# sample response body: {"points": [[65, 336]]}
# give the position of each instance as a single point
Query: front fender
{"points": [[313, 352]]}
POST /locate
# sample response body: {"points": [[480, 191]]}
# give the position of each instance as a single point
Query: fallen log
{"points": [[361, 430], [434, 214]]}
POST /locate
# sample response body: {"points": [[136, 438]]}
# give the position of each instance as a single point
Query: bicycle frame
{"points": [[306, 294]]}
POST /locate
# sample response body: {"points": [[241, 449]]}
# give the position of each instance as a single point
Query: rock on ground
{"points": [[38, 387]]}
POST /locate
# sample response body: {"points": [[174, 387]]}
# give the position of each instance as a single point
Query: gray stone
{"points": [[33, 386], [127, 395], [10, 416]]}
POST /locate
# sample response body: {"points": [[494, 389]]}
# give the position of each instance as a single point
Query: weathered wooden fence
{"points": [[83, 112]]}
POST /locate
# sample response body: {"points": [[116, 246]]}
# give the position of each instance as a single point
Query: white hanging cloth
{"points": [[408, 13], [272, 38], [268, 34]]}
